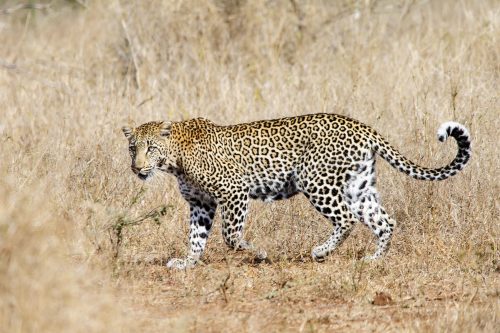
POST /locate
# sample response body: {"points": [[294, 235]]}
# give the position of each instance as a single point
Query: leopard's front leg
{"points": [[234, 212], [202, 212]]}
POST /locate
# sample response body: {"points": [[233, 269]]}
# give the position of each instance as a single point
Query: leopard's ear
{"points": [[127, 131], [165, 128]]}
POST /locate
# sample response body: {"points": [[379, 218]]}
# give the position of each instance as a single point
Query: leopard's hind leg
{"points": [[325, 195], [364, 202]]}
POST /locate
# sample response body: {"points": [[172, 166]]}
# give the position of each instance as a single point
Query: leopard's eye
{"points": [[152, 149]]}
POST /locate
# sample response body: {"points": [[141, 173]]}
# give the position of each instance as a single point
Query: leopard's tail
{"points": [[401, 163]]}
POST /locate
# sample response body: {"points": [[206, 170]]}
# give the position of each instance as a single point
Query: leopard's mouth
{"points": [[143, 176]]}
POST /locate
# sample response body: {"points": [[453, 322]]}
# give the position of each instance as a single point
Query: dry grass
{"points": [[71, 76]]}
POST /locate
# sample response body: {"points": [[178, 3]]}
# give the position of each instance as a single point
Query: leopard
{"points": [[329, 158]]}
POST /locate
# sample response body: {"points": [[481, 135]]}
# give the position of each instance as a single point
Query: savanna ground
{"points": [[83, 242]]}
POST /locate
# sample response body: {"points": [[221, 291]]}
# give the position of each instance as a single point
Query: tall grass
{"points": [[73, 73]]}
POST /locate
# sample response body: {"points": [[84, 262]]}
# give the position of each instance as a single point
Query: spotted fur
{"points": [[329, 158]]}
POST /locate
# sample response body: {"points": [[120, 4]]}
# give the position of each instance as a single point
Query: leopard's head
{"points": [[150, 148]]}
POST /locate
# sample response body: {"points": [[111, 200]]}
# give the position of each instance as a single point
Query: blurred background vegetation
{"points": [[73, 72]]}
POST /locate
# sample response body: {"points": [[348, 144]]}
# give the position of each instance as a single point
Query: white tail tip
{"points": [[446, 128]]}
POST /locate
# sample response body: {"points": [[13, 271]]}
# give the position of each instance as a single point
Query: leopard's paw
{"points": [[319, 254], [179, 264], [261, 254]]}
